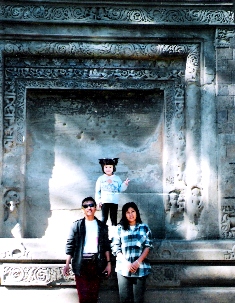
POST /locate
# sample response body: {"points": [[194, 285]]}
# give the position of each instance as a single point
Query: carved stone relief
{"points": [[230, 254], [34, 274], [228, 221], [108, 14], [224, 36], [183, 209], [12, 223], [15, 250], [73, 67], [166, 275]]}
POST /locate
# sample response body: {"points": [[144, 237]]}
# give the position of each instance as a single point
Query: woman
{"points": [[131, 245]]}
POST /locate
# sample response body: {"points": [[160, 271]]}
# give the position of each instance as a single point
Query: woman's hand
{"points": [[127, 181], [134, 266]]}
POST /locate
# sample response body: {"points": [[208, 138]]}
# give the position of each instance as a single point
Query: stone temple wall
{"points": [[151, 83]]}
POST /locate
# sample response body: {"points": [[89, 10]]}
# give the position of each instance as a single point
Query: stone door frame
{"points": [[181, 95]]}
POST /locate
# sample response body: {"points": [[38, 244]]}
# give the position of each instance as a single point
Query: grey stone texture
{"points": [[151, 83]]}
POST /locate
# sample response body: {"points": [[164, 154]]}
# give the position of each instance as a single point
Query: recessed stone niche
{"points": [[69, 130], [63, 110]]}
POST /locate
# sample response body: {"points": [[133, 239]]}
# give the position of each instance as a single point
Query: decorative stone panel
{"points": [[123, 14], [34, 275]]}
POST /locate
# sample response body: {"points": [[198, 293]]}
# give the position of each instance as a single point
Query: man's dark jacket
{"points": [[76, 239]]}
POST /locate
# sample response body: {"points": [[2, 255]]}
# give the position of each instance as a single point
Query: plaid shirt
{"points": [[131, 244]]}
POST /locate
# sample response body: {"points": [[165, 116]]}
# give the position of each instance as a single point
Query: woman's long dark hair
{"points": [[124, 222]]}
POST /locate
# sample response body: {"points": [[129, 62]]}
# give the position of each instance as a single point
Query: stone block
{"points": [[230, 152], [225, 128], [224, 76], [225, 53], [224, 102], [222, 65], [223, 90], [231, 89], [222, 116], [231, 115]]}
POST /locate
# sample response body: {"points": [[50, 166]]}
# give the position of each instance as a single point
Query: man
{"points": [[87, 247]]}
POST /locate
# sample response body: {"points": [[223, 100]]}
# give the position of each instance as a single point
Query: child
{"points": [[108, 187]]}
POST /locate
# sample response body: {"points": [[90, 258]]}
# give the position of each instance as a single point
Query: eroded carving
{"points": [[15, 250], [224, 36], [228, 221], [194, 205], [183, 209], [175, 206], [166, 275], [12, 226], [230, 254]]}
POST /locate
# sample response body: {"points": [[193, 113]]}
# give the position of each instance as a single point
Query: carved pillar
{"points": [[1, 133]]}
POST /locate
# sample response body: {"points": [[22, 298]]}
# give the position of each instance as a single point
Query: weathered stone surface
{"points": [[150, 83]]}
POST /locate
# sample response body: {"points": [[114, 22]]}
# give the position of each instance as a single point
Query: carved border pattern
{"points": [[123, 15], [139, 51], [72, 79], [33, 274]]}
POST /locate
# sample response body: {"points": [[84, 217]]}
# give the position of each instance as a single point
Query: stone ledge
{"points": [[163, 275], [165, 250], [62, 295], [34, 275]]}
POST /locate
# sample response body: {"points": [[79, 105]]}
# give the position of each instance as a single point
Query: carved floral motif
{"points": [[11, 217], [121, 15]]}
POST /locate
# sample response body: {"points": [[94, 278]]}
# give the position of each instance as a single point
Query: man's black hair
{"points": [[88, 199]]}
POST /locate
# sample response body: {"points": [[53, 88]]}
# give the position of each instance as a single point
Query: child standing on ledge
{"points": [[108, 187]]}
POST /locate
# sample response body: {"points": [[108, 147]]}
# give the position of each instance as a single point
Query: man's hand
{"points": [[66, 270], [108, 269]]}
